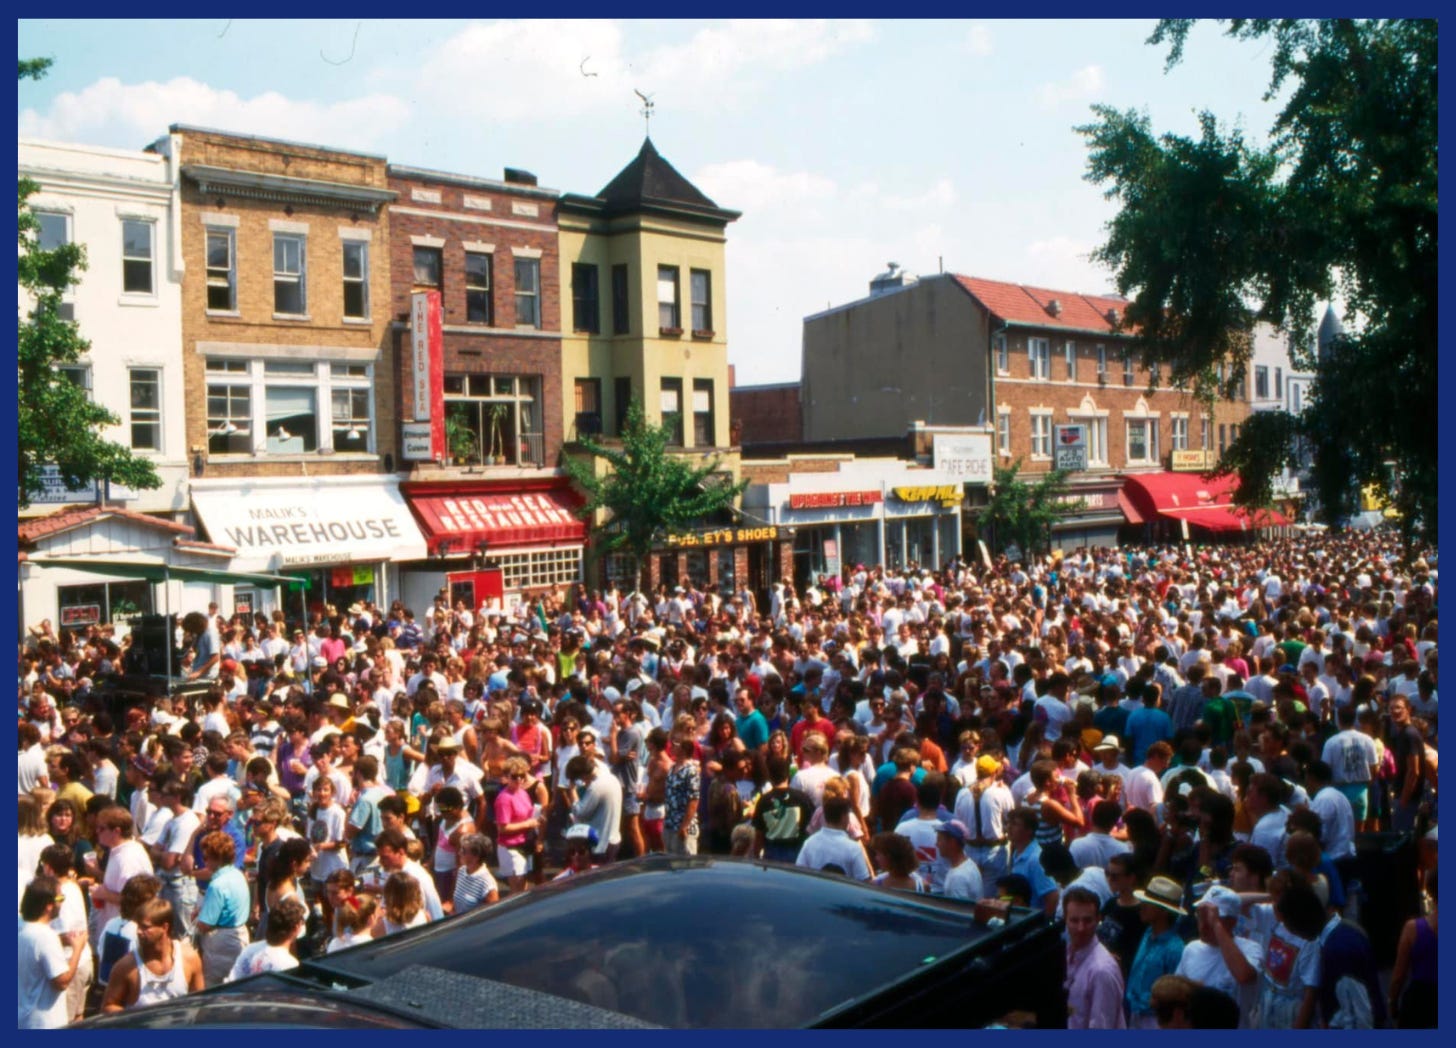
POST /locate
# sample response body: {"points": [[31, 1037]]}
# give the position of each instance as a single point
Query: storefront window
{"points": [[547, 567], [338, 585], [920, 541], [114, 602], [809, 561], [861, 543]]}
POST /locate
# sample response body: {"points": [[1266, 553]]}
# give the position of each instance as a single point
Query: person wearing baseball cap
{"points": [[962, 876], [581, 840], [982, 809], [1159, 951], [1218, 958]]}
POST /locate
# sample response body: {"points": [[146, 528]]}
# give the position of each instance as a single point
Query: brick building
{"points": [[287, 364], [766, 414], [490, 249], [963, 351]]}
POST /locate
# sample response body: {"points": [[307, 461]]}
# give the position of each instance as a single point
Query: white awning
{"points": [[277, 523]]}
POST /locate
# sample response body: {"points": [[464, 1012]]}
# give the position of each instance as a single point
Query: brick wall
{"points": [[498, 348], [766, 414]]}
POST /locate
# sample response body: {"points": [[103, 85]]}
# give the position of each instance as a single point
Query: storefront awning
{"points": [[501, 517], [278, 523], [1206, 504], [1129, 511], [130, 569]]}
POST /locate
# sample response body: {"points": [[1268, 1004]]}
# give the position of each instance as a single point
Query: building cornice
{"points": [[286, 189]]}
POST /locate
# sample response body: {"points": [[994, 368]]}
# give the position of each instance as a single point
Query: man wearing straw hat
{"points": [[1159, 951]]}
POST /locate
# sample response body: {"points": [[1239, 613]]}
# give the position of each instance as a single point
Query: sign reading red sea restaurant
{"points": [[834, 499]]}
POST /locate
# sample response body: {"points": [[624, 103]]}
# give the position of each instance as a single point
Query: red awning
{"points": [[501, 518], [1206, 504], [1128, 509]]}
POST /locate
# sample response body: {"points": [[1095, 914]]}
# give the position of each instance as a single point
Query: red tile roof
{"points": [[1022, 304], [37, 528]]}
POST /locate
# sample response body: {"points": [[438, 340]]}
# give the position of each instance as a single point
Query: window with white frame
{"points": [[1096, 429], [289, 407], [138, 236], [290, 251], [1278, 383], [1205, 432], [1127, 377], [478, 302], [1039, 353], [546, 567], [356, 279], [146, 408], [1296, 398], [1102, 362], [79, 376], [55, 230], [1003, 432], [703, 426], [222, 272], [1142, 441], [1261, 381], [1070, 352], [669, 312], [1003, 354], [1180, 432], [1041, 434], [528, 292]]}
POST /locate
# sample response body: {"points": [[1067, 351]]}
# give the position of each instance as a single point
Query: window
{"points": [[528, 292], [501, 413], [1296, 398], [1233, 432], [1205, 432], [1071, 354], [1003, 432], [1180, 432], [289, 407], [621, 319], [356, 279], [1261, 382], [222, 274], [478, 302], [288, 274], [1096, 427], [100, 602], [1222, 438], [702, 289], [1278, 383], [549, 567], [146, 409], [670, 407], [1142, 441], [55, 230], [585, 313], [704, 434], [429, 264], [622, 400], [588, 406], [1003, 355], [1039, 353], [136, 255], [1102, 363], [669, 317], [1041, 434], [79, 375], [1126, 368]]}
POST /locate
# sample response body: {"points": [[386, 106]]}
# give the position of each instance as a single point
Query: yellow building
{"points": [[643, 264]]}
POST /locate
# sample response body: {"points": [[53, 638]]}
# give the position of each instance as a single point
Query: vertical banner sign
{"points": [[427, 365]]}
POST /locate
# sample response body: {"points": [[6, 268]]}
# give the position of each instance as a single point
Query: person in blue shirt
{"points": [[752, 726], [1159, 951], [1025, 859], [222, 923], [1148, 725]]}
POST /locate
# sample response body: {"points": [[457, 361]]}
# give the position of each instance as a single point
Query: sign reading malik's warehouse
{"points": [[322, 520]]}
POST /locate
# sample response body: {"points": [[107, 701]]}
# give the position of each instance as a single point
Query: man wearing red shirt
{"points": [[813, 719]]}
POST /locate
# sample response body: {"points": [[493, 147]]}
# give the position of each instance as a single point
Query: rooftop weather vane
{"points": [[646, 109]]}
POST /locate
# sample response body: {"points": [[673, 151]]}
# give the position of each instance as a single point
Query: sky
{"points": [[846, 145]]}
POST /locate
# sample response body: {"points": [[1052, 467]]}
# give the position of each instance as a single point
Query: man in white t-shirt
{"points": [[274, 952], [1051, 709], [1144, 788], [962, 876], [126, 859], [46, 963], [1217, 958], [832, 846], [921, 828]]}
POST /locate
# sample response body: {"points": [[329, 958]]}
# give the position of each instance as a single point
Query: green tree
{"points": [[1024, 512], [56, 421], [1216, 234], [647, 491]]}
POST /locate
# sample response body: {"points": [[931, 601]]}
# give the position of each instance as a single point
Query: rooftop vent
{"points": [[516, 176], [1054, 307], [1113, 317], [891, 279]]}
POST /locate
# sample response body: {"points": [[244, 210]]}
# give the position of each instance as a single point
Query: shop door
{"points": [[759, 559]]}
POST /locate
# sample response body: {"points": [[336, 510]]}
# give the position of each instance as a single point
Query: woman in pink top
{"points": [[515, 817]]}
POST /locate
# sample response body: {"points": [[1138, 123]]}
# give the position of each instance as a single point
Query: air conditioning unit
{"points": [[588, 423], [66, 311]]}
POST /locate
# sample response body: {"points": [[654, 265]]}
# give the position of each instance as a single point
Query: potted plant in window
{"points": [[497, 433], [459, 441]]}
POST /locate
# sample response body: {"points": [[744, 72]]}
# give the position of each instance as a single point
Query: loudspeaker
{"points": [[149, 644]]}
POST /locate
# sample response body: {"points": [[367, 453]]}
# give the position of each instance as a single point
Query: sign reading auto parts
{"points": [[946, 494]]}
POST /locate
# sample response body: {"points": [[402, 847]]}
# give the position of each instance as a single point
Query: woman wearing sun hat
{"points": [[1159, 952]]}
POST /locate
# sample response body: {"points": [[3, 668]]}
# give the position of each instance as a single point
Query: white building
{"points": [[122, 206], [1278, 385]]}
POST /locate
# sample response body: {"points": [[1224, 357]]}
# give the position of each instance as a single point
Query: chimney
{"points": [[732, 376], [515, 176], [1112, 316], [1054, 307]]}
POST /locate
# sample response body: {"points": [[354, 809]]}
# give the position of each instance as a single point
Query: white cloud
{"points": [[1081, 85], [711, 68], [753, 188], [941, 194], [1066, 265], [978, 40], [111, 113]]}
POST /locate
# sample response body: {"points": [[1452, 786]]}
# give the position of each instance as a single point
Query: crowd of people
{"points": [[1174, 751]]}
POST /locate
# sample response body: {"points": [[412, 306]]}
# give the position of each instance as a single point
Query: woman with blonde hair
{"points": [[353, 920], [403, 906], [34, 838]]}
